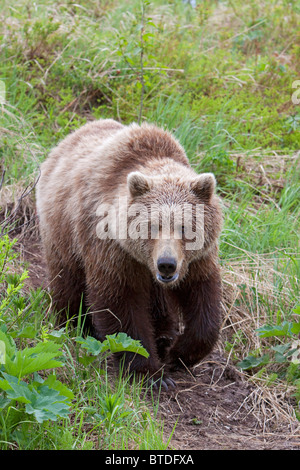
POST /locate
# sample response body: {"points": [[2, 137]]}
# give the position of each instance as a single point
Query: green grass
{"points": [[220, 77]]}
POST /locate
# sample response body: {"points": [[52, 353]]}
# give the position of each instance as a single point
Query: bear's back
{"points": [[72, 158], [78, 146], [91, 164]]}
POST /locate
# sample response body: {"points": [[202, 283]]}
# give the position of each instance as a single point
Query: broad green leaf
{"points": [[28, 332], [4, 385], [10, 347], [284, 329], [18, 390], [45, 347], [86, 360], [295, 329], [47, 404], [92, 345], [122, 342], [297, 310], [280, 358], [30, 360], [281, 348], [4, 402], [250, 362], [147, 36], [55, 384], [57, 335]]}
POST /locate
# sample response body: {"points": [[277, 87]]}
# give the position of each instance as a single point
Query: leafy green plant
{"points": [[44, 402], [112, 411], [16, 306], [284, 354], [45, 399], [115, 343]]}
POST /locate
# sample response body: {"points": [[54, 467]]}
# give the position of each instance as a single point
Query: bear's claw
{"points": [[165, 382]]}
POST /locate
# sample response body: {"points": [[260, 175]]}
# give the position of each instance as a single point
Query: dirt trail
{"points": [[215, 406], [217, 409]]}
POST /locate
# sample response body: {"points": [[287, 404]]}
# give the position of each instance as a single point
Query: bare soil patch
{"points": [[218, 409]]}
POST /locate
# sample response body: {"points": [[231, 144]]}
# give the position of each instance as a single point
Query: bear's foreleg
{"points": [[66, 284], [165, 319], [125, 311], [200, 305]]}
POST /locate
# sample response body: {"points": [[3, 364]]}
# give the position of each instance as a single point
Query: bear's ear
{"points": [[138, 183], [204, 186]]}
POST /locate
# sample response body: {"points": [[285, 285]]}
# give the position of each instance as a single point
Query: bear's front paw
{"points": [[161, 382]]}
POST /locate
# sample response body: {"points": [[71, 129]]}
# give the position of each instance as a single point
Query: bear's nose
{"points": [[167, 265]]}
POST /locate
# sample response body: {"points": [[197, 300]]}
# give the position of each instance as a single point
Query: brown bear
{"points": [[128, 224]]}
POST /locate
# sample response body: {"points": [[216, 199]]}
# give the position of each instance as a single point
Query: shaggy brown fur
{"points": [[120, 279]]}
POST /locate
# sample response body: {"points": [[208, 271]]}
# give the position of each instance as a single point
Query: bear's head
{"points": [[171, 221]]}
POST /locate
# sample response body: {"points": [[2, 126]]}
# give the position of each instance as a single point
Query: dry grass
{"points": [[17, 210], [270, 403], [256, 273]]}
